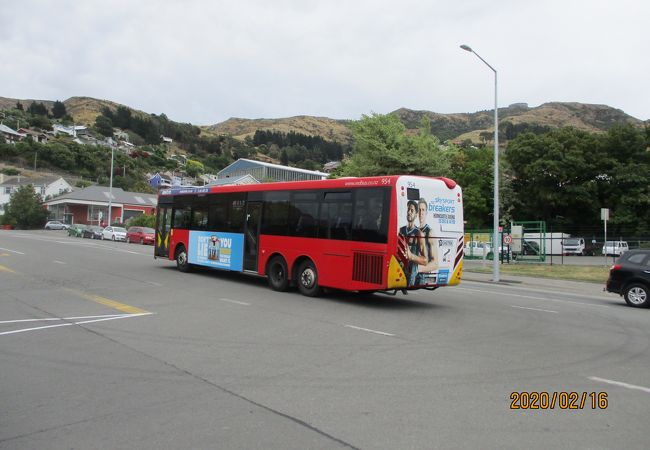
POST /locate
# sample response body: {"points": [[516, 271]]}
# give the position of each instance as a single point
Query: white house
{"points": [[46, 187], [70, 131]]}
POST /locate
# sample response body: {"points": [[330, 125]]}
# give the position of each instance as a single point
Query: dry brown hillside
{"points": [[330, 129], [84, 110]]}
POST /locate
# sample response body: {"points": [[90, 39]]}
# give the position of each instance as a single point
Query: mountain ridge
{"points": [[456, 127]]}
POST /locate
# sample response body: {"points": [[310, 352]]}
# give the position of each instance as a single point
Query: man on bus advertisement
{"points": [[427, 254]]}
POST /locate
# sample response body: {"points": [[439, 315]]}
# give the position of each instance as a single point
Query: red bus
{"points": [[384, 233]]}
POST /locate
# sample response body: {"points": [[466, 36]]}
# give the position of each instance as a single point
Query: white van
{"points": [[573, 246], [615, 248]]}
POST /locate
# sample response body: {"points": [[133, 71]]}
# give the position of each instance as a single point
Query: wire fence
{"points": [[549, 247]]}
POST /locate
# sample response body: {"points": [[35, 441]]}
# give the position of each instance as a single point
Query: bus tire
{"points": [[181, 259], [277, 274], [308, 279]]}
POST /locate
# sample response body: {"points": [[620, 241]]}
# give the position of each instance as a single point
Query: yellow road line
{"points": [[6, 269], [110, 303], [114, 304]]}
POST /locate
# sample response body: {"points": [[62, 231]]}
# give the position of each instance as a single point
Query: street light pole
{"points": [[110, 188], [495, 237]]}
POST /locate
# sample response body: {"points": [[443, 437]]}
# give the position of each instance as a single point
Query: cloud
{"points": [[204, 61]]}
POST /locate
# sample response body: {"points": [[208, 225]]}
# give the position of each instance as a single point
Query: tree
{"points": [[143, 220], [58, 110], [554, 176], [19, 105], [25, 209], [37, 109], [473, 169], [194, 168], [104, 126], [382, 147]]}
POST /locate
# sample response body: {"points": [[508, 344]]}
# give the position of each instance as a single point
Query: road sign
{"points": [[507, 239]]}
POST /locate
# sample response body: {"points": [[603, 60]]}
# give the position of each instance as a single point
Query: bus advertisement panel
{"points": [[218, 250], [430, 229]]}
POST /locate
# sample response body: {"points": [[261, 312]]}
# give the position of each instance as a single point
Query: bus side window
{"points": [[303, 214], [182, 217], [336, 215], [370, 218], [200, 218], [236, 215]]}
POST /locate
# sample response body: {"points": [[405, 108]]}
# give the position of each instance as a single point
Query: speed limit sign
{"points": [[507, 239]]}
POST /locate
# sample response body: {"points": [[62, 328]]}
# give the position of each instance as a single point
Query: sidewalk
{"points": [[548, 284]]}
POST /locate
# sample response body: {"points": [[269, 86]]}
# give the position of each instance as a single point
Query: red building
{"points": [[90, 205]]}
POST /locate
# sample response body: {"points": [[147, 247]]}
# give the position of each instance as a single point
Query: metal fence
{"points": [[540, 246]]}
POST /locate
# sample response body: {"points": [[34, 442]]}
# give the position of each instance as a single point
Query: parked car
{"points": [[142, 235], [76, 229], [476, 248], [92, 232], [114, 233], [56, 225], [630, 277], [615, 248]]}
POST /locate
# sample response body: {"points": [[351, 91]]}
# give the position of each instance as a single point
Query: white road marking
{"points": [[234, 301], [59, 262], [62, 318], [534, 309], [12, 251], [621, 384], [122, 316], [369, 330], [153, 283], [533, 298]]}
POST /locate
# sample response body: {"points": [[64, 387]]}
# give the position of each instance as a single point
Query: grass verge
{"points": [[594, 274]]}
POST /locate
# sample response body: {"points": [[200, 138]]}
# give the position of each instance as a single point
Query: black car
{"points": [[630, 277], [92, 232]]}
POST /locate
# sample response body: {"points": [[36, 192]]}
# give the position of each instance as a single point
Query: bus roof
{"points": [[346, 182]]}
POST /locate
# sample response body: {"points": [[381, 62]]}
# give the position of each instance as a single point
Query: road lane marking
{"points": [[12, 251], [621, 384], [114, 304], [534, 309], [234, 301], [369, 330], [49, 319], [121, 316], [58, 262], [533, 298], [108, 302], [6, 269]]}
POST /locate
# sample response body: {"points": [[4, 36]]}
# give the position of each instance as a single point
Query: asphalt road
{"points": [[101, 346]]}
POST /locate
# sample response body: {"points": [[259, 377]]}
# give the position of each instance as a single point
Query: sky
{"points": [[204, 61]]}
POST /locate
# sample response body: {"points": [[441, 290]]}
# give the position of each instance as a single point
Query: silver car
{"points": [[56, 225]]}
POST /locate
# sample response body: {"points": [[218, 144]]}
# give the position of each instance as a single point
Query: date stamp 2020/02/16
{"points": [[558, 400]]}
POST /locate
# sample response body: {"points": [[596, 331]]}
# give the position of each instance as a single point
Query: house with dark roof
{"points": [[9, 134], [46, 186], [90, 205]]}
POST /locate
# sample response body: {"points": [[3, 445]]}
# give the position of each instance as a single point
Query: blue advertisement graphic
{"points": [[219, 250]]}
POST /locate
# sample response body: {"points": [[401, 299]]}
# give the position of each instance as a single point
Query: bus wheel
{"points": [[181, 259], [308, 279], [277, 274]]}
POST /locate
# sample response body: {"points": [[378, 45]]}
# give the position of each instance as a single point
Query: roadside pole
{"points": [[604, 216]]}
